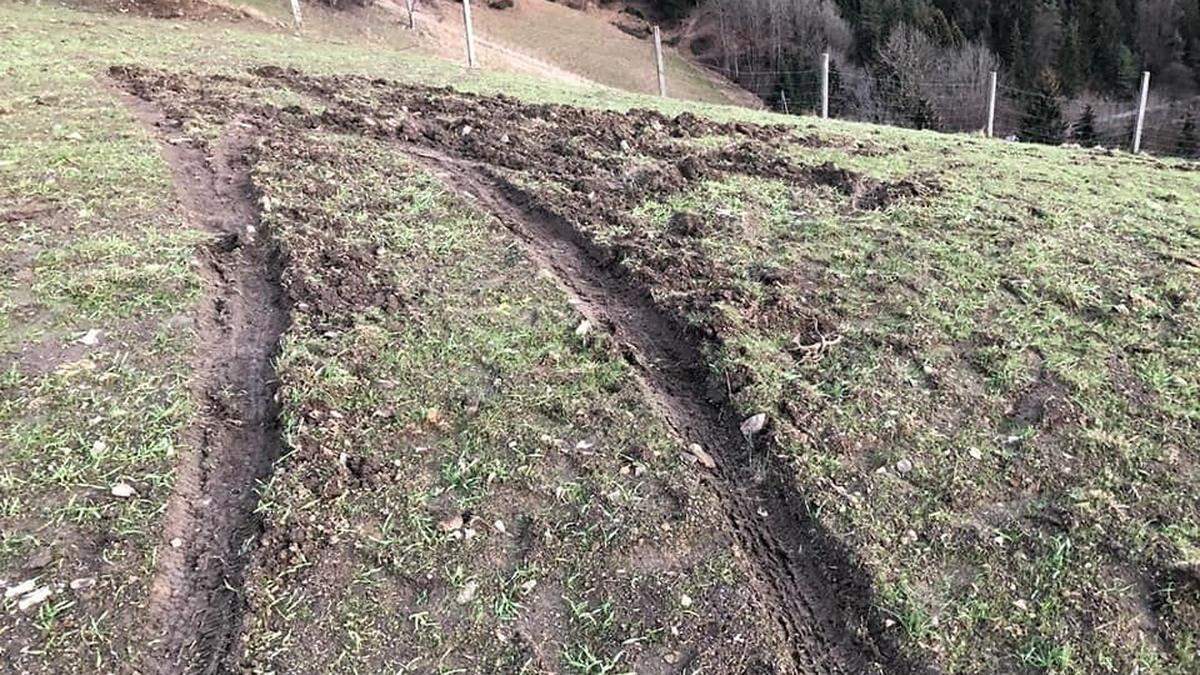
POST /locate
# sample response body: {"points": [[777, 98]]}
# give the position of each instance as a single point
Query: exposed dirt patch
{"points": [[1174, 598], [602, 165], [31, 211], [193, 10], [234, 438], [1043, 403]]}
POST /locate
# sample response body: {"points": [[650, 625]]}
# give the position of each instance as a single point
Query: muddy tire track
{"points": [[807, 583], [210, 527]]}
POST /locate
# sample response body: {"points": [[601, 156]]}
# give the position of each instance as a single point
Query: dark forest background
{"points": [[1070, 69]]}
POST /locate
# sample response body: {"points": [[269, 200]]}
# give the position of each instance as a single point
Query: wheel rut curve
{"points": [[803, 575], [234, 437], [804, 579]]}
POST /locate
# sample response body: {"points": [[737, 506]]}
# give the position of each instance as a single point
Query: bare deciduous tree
{"points": [[945, 84], [774, 35]]}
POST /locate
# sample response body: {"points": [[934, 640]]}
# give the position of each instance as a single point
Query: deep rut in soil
{"points": [[234, 438], [804, 578]]}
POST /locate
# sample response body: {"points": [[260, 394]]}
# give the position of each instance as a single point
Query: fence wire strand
{"points": [[961, 106]]}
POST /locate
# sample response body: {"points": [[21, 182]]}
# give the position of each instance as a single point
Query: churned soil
{"points": [[551, 175], [234, 439]]}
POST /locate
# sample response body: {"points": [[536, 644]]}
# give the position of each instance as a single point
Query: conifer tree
{"points": [[1189, 139], [1127, 72], [1043, 118], [1070, 60], [1084, 131], [1019, 57], [835, 89]]}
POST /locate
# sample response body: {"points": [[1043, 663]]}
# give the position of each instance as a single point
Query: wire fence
{"points": [[951, 104], [1170, 128]]}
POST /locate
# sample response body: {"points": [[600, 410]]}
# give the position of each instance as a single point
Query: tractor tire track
{"points": [[807, 583], [233, 440]]}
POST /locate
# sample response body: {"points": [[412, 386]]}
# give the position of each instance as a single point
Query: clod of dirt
{"points": [[686, 223], [773, 276], [692, 168], [1044, 402], [226, 242], [865, 193], [40, 558], [871, 195], [451, 523], [1174, 598]]}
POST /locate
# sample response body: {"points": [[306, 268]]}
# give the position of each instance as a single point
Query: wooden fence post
{"points": [[991, 109], [470, 30], [658, 63], [1141, 113], [825, 85]]}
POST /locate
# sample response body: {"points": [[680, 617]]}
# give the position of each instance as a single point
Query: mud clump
{"points": [[867, 193], [873, 195], [692, 168], [686, 224], [1044, 403], [345, 281], [1174, 599]]}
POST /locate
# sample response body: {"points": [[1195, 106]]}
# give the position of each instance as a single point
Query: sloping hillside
{"points": [[534, 37], [322, 355], [587, 44]]}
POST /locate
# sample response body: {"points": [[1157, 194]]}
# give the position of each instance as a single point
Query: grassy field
{"points": [[978, 360], [94, 336], [993, 391]]}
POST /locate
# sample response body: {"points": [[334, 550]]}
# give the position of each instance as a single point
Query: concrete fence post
{"points": [[825, 85], [297, 21], [470, 31], [1141, 113], [991, 108], [658, 63]]}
